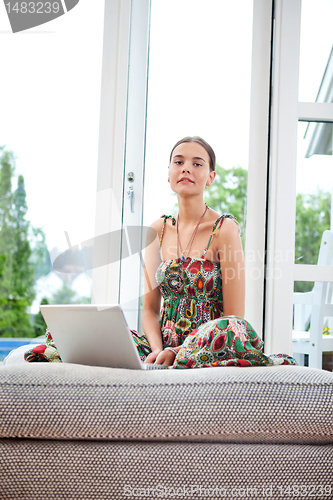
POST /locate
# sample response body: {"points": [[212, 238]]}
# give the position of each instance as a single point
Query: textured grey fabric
{"points": [[93, 470], [283, 404]]}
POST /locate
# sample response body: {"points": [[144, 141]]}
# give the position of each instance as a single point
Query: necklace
{"points": [[190, 243]]}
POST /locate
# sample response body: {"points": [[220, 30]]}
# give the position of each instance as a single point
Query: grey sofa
{"points": [[73, 431]]}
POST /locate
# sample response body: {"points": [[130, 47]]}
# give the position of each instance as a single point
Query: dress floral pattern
{"points": [[192, 295], [44, 352], [226, 341]]}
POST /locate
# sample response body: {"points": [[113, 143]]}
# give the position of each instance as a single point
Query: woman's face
{"points": [[189, 170]]}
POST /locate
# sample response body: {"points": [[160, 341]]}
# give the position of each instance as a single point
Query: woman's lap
{"points": [[226, 341]]}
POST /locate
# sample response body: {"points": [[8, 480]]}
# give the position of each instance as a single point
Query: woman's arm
{"points": [[152, 298], [232, 268]]}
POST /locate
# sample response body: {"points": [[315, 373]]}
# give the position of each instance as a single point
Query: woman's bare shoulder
{"points": [[229, 229], [157, 224], [230, 223]]}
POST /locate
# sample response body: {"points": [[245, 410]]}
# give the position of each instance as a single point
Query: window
{"points": [[50, 103], [291, 20]]}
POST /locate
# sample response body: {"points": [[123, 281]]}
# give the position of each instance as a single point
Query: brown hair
{"points": [[202, 143]]}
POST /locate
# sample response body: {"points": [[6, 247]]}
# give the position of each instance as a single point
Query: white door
{"points": [[293, 83]]}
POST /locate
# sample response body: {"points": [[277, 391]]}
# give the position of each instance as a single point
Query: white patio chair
{"points": [[313, 311]]}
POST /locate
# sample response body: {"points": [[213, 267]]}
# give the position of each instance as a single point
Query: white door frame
{"points": [[281, 270], [109, 196], [121, 142], [132, 213], [258, 161]]}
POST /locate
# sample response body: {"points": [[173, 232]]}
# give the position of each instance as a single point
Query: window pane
{"points": [[50, 104], [199, 84], [316, 51], [314, 185], [305, 318]]}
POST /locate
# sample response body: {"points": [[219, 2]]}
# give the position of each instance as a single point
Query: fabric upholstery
{"points": [[274, 405], [39, 470]]}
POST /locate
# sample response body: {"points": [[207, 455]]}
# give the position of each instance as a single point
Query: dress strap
{"points": [[216, 227], [165, 217]]}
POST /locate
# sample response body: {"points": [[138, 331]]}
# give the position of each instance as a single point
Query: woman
{"points": [[197, 265]]}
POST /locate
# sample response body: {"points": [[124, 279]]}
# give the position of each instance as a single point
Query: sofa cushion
{"points": [[116, 470], [282, 404]]}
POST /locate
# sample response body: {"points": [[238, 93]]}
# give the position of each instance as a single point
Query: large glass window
{"points": [[50, 105]]}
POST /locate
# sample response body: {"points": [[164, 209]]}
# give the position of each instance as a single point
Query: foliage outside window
{"points": [[24, 258], [16, 270], [228, 194], [313, 215]]}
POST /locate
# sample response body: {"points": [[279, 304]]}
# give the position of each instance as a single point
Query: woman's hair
{"points": [[204, 144]]}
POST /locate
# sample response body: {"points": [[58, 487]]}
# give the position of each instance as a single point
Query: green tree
{"points": [[39, 323], [313, 215], [2, 264], [16, 286], [40, 257], [23, 270], [6, 221], [228, 193]]}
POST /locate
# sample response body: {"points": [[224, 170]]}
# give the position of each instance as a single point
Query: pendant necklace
{"points": [[190, 243]]}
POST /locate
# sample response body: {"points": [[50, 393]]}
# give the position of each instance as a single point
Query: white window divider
{"points": [[315, 112], [307, 272], [258, 160], [282, 178]]}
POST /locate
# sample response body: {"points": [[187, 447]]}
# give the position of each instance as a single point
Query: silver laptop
{"points": [[95, 335]]}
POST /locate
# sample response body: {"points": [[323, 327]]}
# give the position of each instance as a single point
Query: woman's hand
{"points": [[151, 358], [165, 358]]}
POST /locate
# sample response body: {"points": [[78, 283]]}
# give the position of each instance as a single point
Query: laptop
{"points": [[96, 335]]}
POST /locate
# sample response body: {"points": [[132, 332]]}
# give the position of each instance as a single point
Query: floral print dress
{"points": [[192, 316]]}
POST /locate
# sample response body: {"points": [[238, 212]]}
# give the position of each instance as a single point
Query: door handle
{"points": [[130, 194]]}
